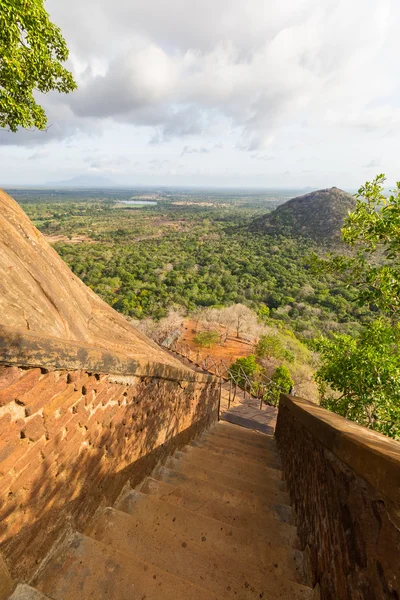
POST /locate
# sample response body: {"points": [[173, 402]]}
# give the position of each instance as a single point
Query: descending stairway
{"points": [[213, 523]]}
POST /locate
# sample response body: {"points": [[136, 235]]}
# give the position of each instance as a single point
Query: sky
{"points": [[254, 93]]}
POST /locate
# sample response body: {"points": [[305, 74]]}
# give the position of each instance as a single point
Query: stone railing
{"points": [[344, 482], [76, 424]]}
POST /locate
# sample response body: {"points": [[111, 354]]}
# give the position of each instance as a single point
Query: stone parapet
{"points": [[344, 482]]}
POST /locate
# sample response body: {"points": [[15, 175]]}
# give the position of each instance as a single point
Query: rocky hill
{"points": [[318, 215]]}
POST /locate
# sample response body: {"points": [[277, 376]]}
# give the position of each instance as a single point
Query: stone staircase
{"points": [[213, 523]]}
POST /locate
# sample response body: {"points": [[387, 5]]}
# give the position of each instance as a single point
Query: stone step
{"points": [[26, 592], [236, 466], [219, 491], [216, 507], [216, 433], [85, 569], [217, 536], [226, 451], [242, 433], [260, 488], [224, 575]]}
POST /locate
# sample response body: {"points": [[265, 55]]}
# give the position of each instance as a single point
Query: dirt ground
{"points": [[228, 351]]}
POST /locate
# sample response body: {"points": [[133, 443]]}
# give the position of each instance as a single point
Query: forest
{"points": [[146, 260]]}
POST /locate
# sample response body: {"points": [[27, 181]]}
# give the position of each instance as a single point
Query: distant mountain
{"points": [[87, 181], [318, 215]]}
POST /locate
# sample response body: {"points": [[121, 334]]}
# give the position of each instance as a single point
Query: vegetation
{"points": [[271, 345], [318, 215], [147, 261], [363, 373], [32, 51], [243, 368], [206, 339], [281, 382]]}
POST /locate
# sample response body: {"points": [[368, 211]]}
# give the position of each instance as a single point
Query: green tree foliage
{"points": [[373, 231], [281, 382], [271, 346], [143, 267], [263, 313], [244, 367], [364, 377], [206, 339], [365, 371], [32, 50]]}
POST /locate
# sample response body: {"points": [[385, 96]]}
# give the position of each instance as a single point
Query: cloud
{"points": [[189, 150], [180, 68], [38, 154], [114, 164], [156, 164], [260, 75], [261, 157], [373, 164]]}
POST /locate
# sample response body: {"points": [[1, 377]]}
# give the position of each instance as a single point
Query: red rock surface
{"points": [[39, 293]]}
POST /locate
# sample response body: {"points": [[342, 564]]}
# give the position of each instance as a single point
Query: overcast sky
{"points": [[220, 92]]}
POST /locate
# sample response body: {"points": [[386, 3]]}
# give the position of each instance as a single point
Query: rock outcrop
{"points": [[40, 294]]}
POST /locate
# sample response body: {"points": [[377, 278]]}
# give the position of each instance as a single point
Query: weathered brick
{"points": [[79, 407], [9, 375], [94, 384], [104, 395], [59, 401], [51, 385], [32, 474], [33, 456], [6, 432], [76, 376], [18, 449], [5, 483], [34, 428], [20, 387], [58, 421], [52, 446], [71, 448]]}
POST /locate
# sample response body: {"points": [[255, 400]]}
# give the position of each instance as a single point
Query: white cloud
{"points": [[259, 76]]}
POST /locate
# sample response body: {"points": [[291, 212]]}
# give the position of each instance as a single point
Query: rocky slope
{"points": [[318, 215], [39, 293]]}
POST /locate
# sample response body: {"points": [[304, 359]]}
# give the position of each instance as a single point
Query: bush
{"points": [[270, 346], [281, 382], [242, 367], [206, 339]]}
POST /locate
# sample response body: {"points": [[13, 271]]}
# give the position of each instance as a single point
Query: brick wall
{"points": [[70, 440], [344, 484]]}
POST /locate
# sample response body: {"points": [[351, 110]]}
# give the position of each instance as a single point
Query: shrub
{"points": [[281, 382], [206, 339]]}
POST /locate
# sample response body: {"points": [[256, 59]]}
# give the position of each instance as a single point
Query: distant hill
{"points": [[85, 181], [318, 215]]}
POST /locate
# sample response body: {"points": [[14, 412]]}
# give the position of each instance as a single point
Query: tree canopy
{"points": [[365, 374], [372, 230], [32, 50], [359, 377]]}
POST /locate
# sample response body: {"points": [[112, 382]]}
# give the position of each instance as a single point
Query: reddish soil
{"points": [[228, 351]]}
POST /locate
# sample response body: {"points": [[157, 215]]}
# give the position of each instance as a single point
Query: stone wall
{"points": [[71, 439], [344, 482]]}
